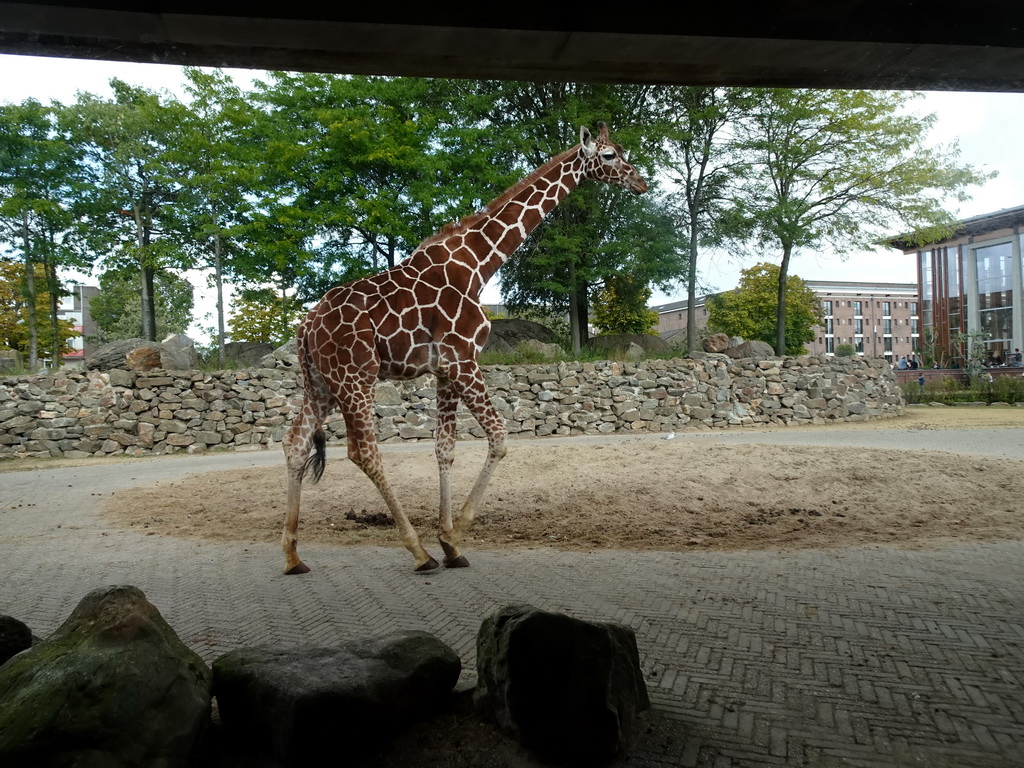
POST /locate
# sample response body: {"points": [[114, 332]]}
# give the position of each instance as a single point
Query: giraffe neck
{"points": [[484, 241]]}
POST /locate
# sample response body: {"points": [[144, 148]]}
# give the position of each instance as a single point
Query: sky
{"points": [[986, 127]]}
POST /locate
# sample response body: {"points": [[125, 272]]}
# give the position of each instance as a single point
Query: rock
{"points": [[285, 356], [564, 687], [550, 351], [634, 352], [113, 355], [247, 353], [716, 342], [142, 359], [620, 343], [758, 350], [10, 360], [15, 637], [113, 686], [305, 702], [508, 334], [178, 353]]}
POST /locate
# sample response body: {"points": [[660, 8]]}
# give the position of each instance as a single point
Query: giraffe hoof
{"points": [[297, 569], [457, 562], [430, 565]]}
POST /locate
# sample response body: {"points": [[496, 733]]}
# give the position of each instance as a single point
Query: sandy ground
{"points": [[649, 494]]}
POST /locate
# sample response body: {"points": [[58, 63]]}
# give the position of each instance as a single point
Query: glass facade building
{"points": [[971, 284]]}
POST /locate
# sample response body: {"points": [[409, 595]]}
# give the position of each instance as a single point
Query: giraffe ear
{"points": [[587, 140]]}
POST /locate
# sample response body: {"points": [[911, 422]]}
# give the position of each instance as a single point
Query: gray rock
{"points": [[620, 343], [307, 702], [15, 637], [246, 353], [178, 353], [508, 334], [285, 356], [564, 687], [758, 350], [549, 351], [113, 686], [113, 355]]}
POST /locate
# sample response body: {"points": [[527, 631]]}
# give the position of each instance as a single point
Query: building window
{"points": [[913, 307], [886, 308], [995, 299], [858, 308], [858, 325], [828, 326], [887, 326], [826, 308], [830, 344]]}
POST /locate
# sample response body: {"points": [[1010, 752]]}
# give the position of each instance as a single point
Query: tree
{"points": [[841, 168], [704, 167], [621, 307], [134, 180], [262, 316], [38, 175], [215, 148], [117, 307], [749, 310], [596, 232], [14, 313]]}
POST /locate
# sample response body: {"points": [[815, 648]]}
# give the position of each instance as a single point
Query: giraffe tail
{"points": [[317, 459]]}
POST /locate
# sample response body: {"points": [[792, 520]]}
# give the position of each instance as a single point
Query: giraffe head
{"points": [[604, 161]]}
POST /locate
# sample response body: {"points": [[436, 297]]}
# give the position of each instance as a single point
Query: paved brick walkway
{"points": [[866, 656]]}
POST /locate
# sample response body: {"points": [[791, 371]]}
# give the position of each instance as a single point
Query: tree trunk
{"points": [[218, 278], [574, 315], [30, 297], [780, 316], [691, 292], [53, 288]]}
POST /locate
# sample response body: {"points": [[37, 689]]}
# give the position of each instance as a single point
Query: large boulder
{"points": [[178, 353], [247, 353], [113, 686], [175, 353], [568, 688], [508, 333], [285, 356], [305, 702], [716, 343], [15, 637], [112, 355], [620, 343], [758, 350]]}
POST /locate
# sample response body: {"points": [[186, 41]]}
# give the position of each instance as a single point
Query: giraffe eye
{"points": [[608, 155]]}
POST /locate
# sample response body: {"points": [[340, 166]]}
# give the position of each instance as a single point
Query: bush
{"points": [[845, 350], [950, 391]]}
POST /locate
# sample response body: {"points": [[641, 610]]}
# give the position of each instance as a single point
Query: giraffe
{"points": [[424, 316]]}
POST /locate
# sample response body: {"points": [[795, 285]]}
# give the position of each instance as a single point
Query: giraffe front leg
{"points": [[444, 450]]}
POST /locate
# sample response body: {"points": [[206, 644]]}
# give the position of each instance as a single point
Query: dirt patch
{"points": [[645, 494]]}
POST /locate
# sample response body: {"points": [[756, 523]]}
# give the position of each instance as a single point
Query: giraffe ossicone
{"points": [[424, 316]]}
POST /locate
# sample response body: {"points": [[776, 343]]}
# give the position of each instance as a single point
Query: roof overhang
{"points": [[842, 44]]}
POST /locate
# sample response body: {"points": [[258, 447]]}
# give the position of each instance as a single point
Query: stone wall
{"points": [[112, 413]]}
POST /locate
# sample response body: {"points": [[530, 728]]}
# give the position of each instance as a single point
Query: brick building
{"points": [[877, 319]]}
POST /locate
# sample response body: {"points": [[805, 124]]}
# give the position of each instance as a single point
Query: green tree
{"points": [[705, 168], [263, 316], [14, 313], [597, 231], [749, 310], [220, 160], [134, 181], [39, 173], [621, 307], [117, 307], [841, 168]]}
